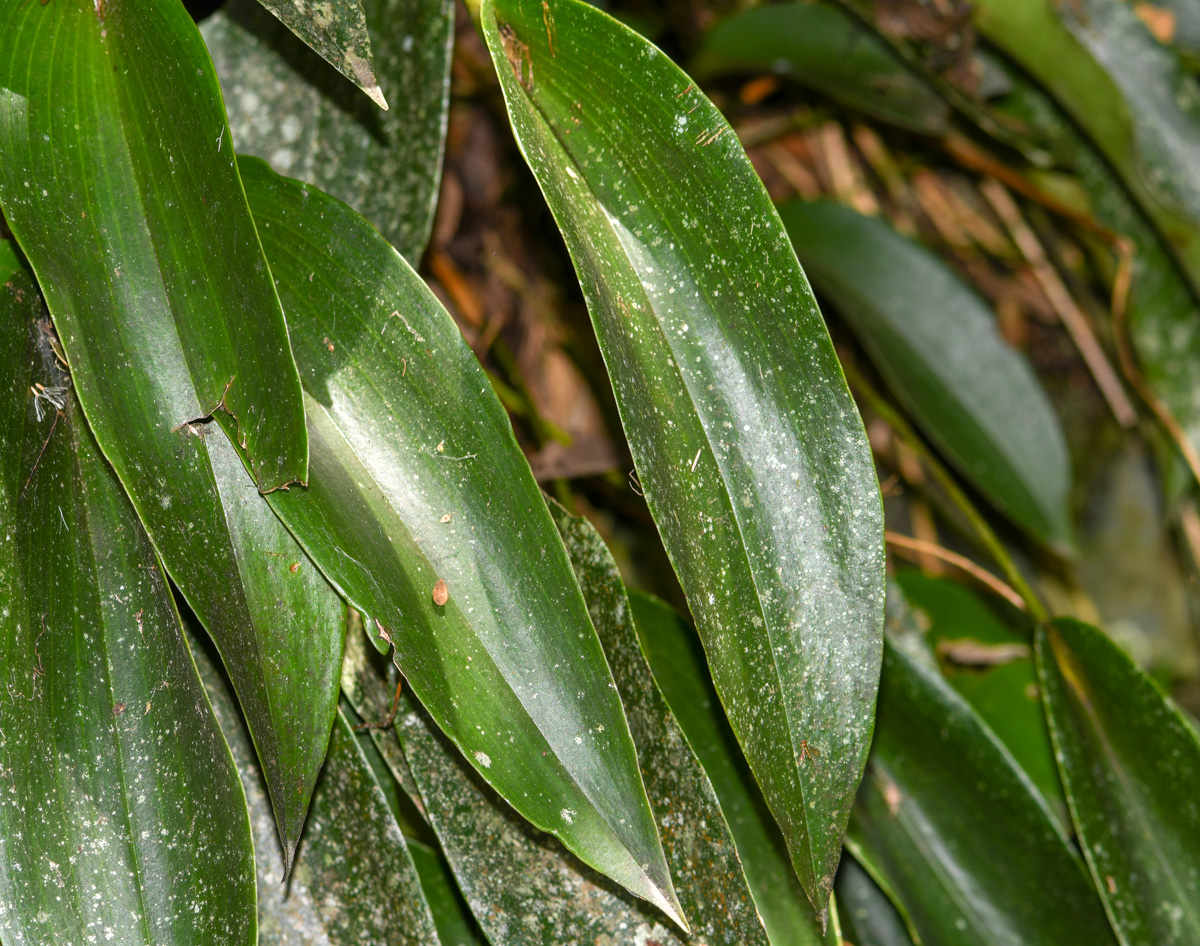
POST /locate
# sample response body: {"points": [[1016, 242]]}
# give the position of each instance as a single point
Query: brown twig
{"points": [[1068, 311], [917, 548]]}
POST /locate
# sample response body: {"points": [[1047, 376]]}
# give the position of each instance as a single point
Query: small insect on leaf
{"points": [[807, 752], [441, 594]]}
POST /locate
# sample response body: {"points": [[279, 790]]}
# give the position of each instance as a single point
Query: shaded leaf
{"points": [[138, 229], [949, 822], [1125, 90], [675, 656], [936, 343], [352, 871], [751, 452], [417, 478], [990, 664], [822, 46], [455, 925], [1130, 761], [291, 109], [337, 29], [120, 809], [868, 917], [696, 838]]}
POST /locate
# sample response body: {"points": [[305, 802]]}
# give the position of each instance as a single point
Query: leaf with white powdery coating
{"points": [[121, 808], [418, 481], [751, 452], [337, 29]]}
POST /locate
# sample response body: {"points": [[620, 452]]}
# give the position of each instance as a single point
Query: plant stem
{"points": [[987, 536]]}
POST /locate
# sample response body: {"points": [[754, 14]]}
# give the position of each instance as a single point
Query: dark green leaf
{"points": [[522, 885], [138, 229], [937, 345], [752, 454], [337, 29], [120, 808], [291, 109], [868, 917], [822, 46], [677, 660], [950, 823], [417, 478], [697, 840], [352, 871], [991, 666], [1130, 761], [455, 925], [1125, 90]]}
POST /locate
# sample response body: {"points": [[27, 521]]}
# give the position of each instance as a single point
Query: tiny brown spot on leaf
{"points": [[441, 594]]}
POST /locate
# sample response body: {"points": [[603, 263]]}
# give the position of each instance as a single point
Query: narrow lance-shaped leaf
{"points": [[1125, 90], [137, 226], [696, 837], [288, 107], [955, 829], [417, 479], [352, 872], [677, 659], [751, 452], [824, 47], [337, 29], [1130, 761], [121, 808], [937, 344]]}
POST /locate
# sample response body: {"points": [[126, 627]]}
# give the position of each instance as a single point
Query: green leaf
{"points": [[121, 808], [822, 46], [997, 677], [1128, 94], [289, 108], [705, 864], [522, 885], [137, 228], [417, 478], [868, 917], [455, 925], [936, 343], [352, 871], [675, 656], [751, 452], [947, 821], [1130, 761], [337, 29]]}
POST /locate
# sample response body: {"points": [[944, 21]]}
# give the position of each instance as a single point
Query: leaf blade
{"points": [[409, 438], [1137, 822], [702, 415]]}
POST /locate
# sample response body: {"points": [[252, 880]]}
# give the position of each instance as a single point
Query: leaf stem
{"points": [[983, 530]]}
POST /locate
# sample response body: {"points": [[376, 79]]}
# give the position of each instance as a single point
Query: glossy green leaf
{"points": [[957, 831], [751, 452], [120, 807], [868, 917], [291, 109], [352, 872], [1125, 90], [337, 29], [138, 229], [455, 925], [674, 653], [417, 478], [999, 681], [1130, 761], [698, 842], [936, 343], [822, 46]]}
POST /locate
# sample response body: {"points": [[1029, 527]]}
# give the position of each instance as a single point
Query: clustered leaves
{"points": [[295, 649]]}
